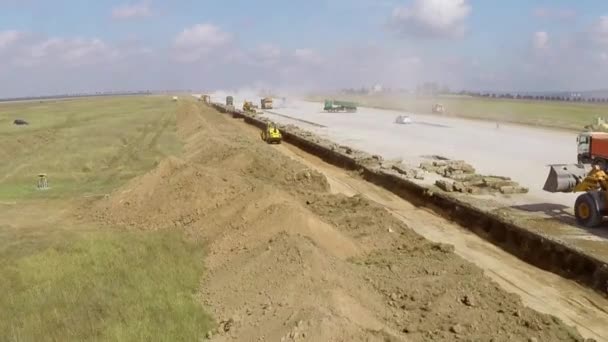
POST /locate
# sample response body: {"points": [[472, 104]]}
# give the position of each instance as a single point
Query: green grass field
{"points": [[64, 280], [562, 115]]}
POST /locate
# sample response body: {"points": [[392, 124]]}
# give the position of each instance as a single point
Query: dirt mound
{"points": [[174, 194], [289, 261], [431, 293], [206, 183]]}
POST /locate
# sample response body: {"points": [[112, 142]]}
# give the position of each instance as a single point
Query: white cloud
{"points": [[131, 11], [432, 18], [67, 52], [194, 43], [540, 40], [201, 34], [598, 33], [9, 37]]}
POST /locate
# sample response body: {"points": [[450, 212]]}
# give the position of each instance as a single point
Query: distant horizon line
{"points": [[173, 91]]}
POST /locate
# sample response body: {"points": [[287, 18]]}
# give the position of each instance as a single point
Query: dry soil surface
{"points": [[290, 260]]}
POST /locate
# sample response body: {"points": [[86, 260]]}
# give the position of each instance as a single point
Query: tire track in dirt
{"points": [[166, 121], [131, 148]]}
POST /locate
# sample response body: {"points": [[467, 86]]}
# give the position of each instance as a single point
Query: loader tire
{"points": [[586, 211]]}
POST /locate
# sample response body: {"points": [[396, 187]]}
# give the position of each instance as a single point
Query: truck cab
{"points": [[583, 144]]}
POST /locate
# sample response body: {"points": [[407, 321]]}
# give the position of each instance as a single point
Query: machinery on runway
{"points": [[591, 206], [266, 103], [333, 106], [588, 176], [592, 148], [600, 125], [272, 135], [205, 99], [438, 108], [403, 120], [249, 107]]}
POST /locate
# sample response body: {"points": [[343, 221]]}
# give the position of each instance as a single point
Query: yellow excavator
{"points": [[590, 207], [271, 134]]}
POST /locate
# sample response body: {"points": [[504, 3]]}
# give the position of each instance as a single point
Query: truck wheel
{"points": [[586, 212]]}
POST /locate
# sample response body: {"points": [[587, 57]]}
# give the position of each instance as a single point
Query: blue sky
{"points": [[71, 46]]}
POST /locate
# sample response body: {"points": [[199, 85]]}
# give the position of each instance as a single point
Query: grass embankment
{"points": [[562, 115], [66, 280]]}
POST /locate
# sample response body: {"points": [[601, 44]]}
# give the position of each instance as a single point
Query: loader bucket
{"points": [[564, 177]]}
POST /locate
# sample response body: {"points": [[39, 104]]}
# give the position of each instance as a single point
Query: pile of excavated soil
{"points": [[289, 261]]}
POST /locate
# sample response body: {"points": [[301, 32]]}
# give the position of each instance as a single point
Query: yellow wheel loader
{"points": [[249, 107], [590, 207], [271, 134]]}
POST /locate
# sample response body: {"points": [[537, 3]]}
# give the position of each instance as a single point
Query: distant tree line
{"points": [[529, 97], [436, 89]]}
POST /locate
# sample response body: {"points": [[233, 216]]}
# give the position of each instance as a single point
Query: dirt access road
{"points": [[291, 259]]}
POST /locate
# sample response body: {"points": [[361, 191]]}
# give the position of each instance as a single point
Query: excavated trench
{"points": [[529, 246]]}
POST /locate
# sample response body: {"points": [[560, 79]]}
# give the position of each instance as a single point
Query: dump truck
{"points": [[592, 148], [266, 103], [229, 101], [339, 106], [272, 135], [205, 99]]}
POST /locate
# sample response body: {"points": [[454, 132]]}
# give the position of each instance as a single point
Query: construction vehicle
{"points": [[599, 125], [403, 119], [438, 108], [592, 148], [249, 107], [205, 99], [266, 103], [591, 206], [588, 176], [229, 101], [271, 134], [339, 106]]}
